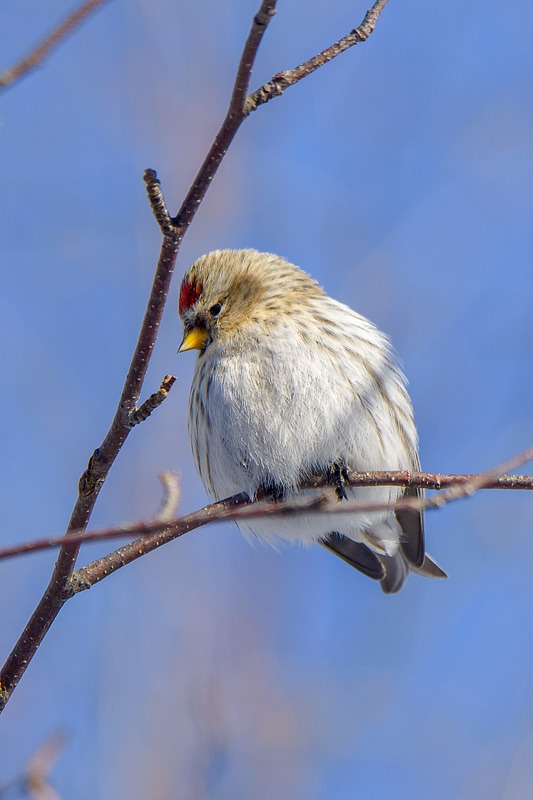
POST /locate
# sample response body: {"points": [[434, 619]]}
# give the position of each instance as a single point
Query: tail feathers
{"points": [[412, 524], [396, 571], [429, 569], [356, 554], [391, 571]]}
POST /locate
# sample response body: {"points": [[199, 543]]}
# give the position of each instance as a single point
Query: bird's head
{"points": [[227, 292]]}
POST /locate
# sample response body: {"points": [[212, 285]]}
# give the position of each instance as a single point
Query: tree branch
{"points": [[282, 80], [154, 401], [240, 507], [158, 202], [36, 56], [60, 587]]}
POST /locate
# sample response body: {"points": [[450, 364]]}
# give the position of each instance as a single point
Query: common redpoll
{"points": [[289, 384]]}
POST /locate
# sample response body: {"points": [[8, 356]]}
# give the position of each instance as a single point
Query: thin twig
{"points": [[143, 412], [158, 203], [477, 482], [36, 56], [425, 480], [282, 80]]}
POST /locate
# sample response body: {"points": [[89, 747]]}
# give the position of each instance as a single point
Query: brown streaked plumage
{"points": [[288, 383]]}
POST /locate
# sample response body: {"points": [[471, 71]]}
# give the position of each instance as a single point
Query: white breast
{"points": [[291, 404]]}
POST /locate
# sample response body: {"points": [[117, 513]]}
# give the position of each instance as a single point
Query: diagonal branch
{"points": [[282, 80], [60, 586], [36, 56], [58, 590]]}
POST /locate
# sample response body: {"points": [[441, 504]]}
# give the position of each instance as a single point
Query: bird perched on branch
{"points": [[290, 384]]}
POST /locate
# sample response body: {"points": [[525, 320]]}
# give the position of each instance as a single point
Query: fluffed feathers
{"points": [[289, 383]]}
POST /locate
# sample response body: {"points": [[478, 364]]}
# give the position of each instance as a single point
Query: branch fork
{"points": [[173, 229], [154, 401]]}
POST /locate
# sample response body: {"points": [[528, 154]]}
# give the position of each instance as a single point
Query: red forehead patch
{"points": [[189, 294]]}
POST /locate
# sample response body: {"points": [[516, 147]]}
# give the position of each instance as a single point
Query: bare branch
{"points": [[141, 414], [282, 80], [240, 507], [60, 586], [425, 480], [59, 590], [158, 203], [36, 56]]}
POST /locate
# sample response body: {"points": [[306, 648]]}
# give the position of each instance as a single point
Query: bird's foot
{"points": [[338, 477]]}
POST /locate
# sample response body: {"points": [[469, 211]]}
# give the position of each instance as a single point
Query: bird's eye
{"points": [[215, 310]]}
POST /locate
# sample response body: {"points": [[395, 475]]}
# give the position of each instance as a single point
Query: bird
{"points": [[290, 384]]}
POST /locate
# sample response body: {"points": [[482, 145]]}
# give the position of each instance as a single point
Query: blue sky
{"points": [[401, 177]]}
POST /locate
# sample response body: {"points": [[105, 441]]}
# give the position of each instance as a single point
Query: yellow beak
{"points": [[194, 339]]}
